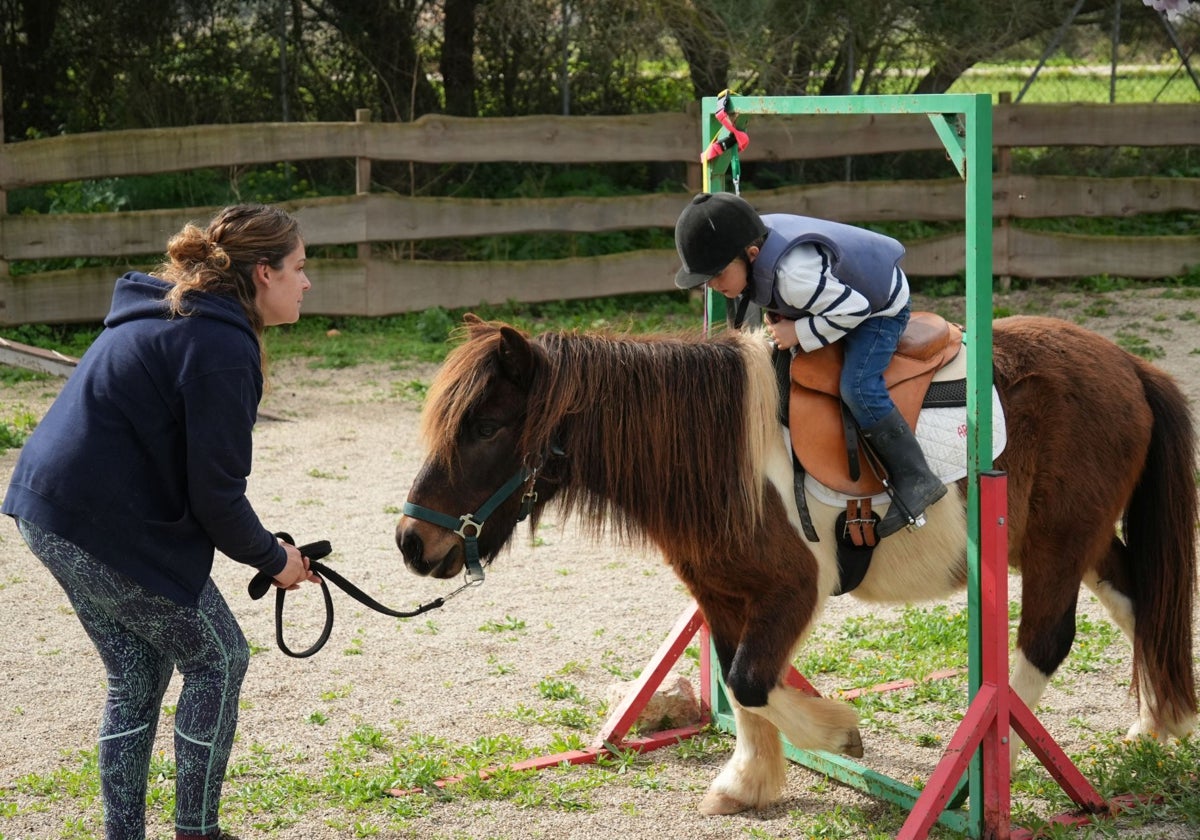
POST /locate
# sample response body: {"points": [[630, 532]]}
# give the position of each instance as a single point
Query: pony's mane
{"points": [[658, 431]]}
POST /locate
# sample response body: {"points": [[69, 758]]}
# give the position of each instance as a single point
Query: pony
{"points": [[676, 440]]}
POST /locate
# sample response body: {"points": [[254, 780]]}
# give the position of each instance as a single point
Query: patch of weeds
{"points": [[1181, 293], [562, 742], [500, 783], [871, 649], [704, 745], [508, 625], [413, 390], [269, 796], [78, 777], [369, 737], [840, 823], [494, 748], [500, 668], [1139, 346], [316, 473], [554, 689], [1092, 650], [650, 779], [339, 693], [614, 663], [1165, 774], [429, 628], [16, 430], [571, 717], [12, 375], [619, 762], [1105, 283]]}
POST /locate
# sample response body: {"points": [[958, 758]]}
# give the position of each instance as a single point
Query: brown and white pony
{"points": [[675, 440]]}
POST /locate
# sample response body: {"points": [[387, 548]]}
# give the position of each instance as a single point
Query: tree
{"points": [[30, 74], [385, 37], [458, 57]]}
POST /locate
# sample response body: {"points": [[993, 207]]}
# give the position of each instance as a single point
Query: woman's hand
{"points": [[296, 571]]}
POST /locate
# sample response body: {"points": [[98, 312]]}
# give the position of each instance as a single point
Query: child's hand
{"points": [[782, 331]]}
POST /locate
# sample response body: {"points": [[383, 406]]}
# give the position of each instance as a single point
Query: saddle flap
{"points": [[923, 346], [814, 402]]}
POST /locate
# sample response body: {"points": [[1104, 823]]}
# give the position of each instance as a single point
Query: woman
{"points": [[138, 472]]}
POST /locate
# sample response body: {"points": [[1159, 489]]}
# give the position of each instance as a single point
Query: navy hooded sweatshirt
{"points": [[142, 460]]}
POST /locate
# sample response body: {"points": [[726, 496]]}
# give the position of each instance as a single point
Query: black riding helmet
{"points": [[710, 233]]}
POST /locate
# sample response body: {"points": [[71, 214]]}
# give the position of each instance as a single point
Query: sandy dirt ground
{"points": [[337, 464]]}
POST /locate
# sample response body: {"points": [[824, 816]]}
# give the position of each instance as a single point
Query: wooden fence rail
{"points": [[377, 284]]}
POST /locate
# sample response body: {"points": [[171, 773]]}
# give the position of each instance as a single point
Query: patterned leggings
{"points": [[142, 637]]}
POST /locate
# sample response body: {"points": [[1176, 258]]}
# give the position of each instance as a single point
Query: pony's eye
{"points": [[486, 429]]}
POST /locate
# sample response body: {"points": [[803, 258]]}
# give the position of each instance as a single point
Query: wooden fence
{"points": [[376, 284]]}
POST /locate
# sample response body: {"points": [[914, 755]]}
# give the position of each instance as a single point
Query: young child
{"points": [[818, 282]]}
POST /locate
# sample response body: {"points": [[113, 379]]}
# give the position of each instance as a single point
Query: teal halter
{"points": [[470, 525]]}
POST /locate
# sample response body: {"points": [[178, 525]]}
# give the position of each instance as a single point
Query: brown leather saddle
{"points": [[817, 423]]}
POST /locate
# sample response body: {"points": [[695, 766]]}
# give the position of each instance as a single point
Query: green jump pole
{"points": [[964, 124]]}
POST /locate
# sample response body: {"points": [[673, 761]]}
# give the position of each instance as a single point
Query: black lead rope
{"points": [[314, 551]]}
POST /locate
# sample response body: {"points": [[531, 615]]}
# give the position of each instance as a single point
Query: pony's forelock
{"points": [[459, 385]]}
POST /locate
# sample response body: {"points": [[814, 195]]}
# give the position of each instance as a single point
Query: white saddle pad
{"points": [[942, 433]]}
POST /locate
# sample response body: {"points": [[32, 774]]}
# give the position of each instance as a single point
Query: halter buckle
{"points": [[468, 521]]}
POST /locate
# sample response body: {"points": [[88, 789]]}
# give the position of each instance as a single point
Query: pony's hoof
{"points": [[718, 804], [853, 746]]}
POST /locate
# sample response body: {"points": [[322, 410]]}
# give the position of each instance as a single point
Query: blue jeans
{"points": [[869, 348], [142, 637]]}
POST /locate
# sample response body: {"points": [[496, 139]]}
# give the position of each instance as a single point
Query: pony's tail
{"points": [[1160, 533]]}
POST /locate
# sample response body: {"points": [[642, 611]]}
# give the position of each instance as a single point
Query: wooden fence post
{"points": [[5, 279], [1004, 175], [695, 174], [362, 178]]}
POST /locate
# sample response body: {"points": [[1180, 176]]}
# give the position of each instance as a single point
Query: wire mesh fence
{"points": [[1121, 53]]}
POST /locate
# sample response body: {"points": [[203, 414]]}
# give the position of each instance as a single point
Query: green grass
{"points": [[15, 430], [425, 336], [1058, 84], [329, 342], [274, 787]]}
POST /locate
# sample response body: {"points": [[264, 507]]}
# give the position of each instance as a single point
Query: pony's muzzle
{"points": [[438, 554]]}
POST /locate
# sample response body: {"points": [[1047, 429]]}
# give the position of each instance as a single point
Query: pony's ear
{"points": [[516, 356], [473, 324]]}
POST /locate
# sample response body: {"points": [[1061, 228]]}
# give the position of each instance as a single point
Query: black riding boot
{"points": [[915, 485]]}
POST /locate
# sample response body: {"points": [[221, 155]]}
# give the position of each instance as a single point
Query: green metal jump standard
{"points": [[975, 765]]}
